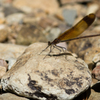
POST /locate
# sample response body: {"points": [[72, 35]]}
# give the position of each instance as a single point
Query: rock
{"points": [[50, 78], [9, 96], [40, 17], [37, 16], [29, 34], [54, 33], [48, 22], [94, 95], [3, 35], [81, 46], [9, 10], [45, 22], [2, 26], [74, 7], [96, 57], [49, 7], [10, 52], [97, 29], [26, 9], [15, 18], [92, 8], [13, 32], [2, 21], [5, 2], [93, 58], [69, 16], [2, 71], [96, 70], [98, 13], [89, 55], [3, 63], [59, 16], [3, 67], [2, 16], [95, 91]]}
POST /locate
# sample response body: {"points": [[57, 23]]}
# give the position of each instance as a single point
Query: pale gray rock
{"points": [[15, 18], [9, 96], [60, 76], [11, 52], [69, 16]]}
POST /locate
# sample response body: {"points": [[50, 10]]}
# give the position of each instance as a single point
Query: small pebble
{"points": [[69, 16]]}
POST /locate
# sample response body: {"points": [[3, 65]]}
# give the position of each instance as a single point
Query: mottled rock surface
{"points": [[11, 52], [60, 76], [9, 96]]}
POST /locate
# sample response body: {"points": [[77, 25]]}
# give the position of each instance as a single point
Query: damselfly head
{"points": [[49, 43]]}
